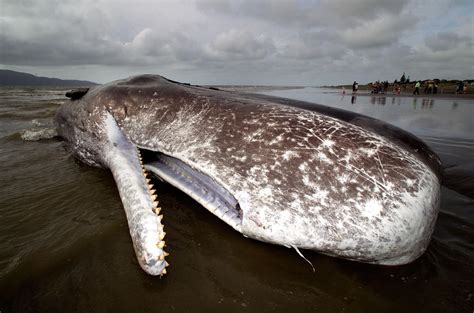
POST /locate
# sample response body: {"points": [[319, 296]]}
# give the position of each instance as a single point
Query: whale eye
{"points": [[77, 93]]}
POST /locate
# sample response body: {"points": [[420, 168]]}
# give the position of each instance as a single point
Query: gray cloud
{"points": [[379, 32], [239, 41], [240, 45], [315, 44], [364, 9], [307, 13], [446, 41]]}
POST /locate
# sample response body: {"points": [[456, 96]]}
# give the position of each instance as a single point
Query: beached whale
{"points": [[276, 170]]}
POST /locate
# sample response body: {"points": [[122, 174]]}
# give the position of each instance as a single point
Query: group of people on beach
{"points": [[430, 87], [427, 87], [379, 87]]}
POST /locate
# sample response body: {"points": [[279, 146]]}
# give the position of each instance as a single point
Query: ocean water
{"points": [[65, 247]]}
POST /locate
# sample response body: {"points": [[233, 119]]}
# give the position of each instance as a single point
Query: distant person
{"points": [[460, 88], [343, 90], [417, 88], [376, 87], [430, 87], [355, 86], [397, 89]]}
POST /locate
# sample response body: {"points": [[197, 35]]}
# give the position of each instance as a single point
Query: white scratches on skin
{"points": [[326, 180]]}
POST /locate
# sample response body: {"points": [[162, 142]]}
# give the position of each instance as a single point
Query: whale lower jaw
{"points": [[197, 185]]}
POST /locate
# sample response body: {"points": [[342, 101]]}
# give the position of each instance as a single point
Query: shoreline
{"points": [[337, 90], [247, 88], [366, 93]]}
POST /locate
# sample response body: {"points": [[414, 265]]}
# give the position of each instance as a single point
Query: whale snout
{"points": [[152, 265], [406, 232], [389, 229]]}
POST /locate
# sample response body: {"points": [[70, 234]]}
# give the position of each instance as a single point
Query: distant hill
{"points": [[12, 78]]}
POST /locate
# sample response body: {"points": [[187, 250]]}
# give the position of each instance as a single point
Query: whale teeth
{"points": [[165, 253], [161, 257], [153, 197], [148, 180], [155, 203], [162, 235], [150, 186], [152, 191], [167, 264], [161, 244], [163, 272], [157, 210]]}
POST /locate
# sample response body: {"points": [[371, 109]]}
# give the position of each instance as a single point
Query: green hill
{"points": [[13, 78]]}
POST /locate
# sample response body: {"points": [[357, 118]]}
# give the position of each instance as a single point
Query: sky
{"points": [[249, 42]]}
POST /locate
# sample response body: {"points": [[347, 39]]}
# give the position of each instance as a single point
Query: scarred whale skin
{"points": [[302, 178]]}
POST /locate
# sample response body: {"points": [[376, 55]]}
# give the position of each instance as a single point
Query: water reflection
{"points": [[449, 117], [378, 100], [353, 99], [427, 103]]}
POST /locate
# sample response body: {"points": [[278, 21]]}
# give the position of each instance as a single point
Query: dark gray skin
{"points": [[275, 170]]}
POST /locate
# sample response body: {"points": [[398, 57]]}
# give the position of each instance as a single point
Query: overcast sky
{"points": [[279, 42]]}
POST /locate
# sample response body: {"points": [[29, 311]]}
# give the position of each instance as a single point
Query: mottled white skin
{"points": [[314, 193], [302, 179]]}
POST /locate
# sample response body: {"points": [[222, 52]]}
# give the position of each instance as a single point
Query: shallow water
{"points": [[64, 242]]}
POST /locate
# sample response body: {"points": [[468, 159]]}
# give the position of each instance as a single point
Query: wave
{"points": [[35, 134]]}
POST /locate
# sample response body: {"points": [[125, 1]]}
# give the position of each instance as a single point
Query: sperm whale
{"points": [[275, 170]]}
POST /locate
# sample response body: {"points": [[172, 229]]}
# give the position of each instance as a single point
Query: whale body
{"points": [[276, 170]]}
